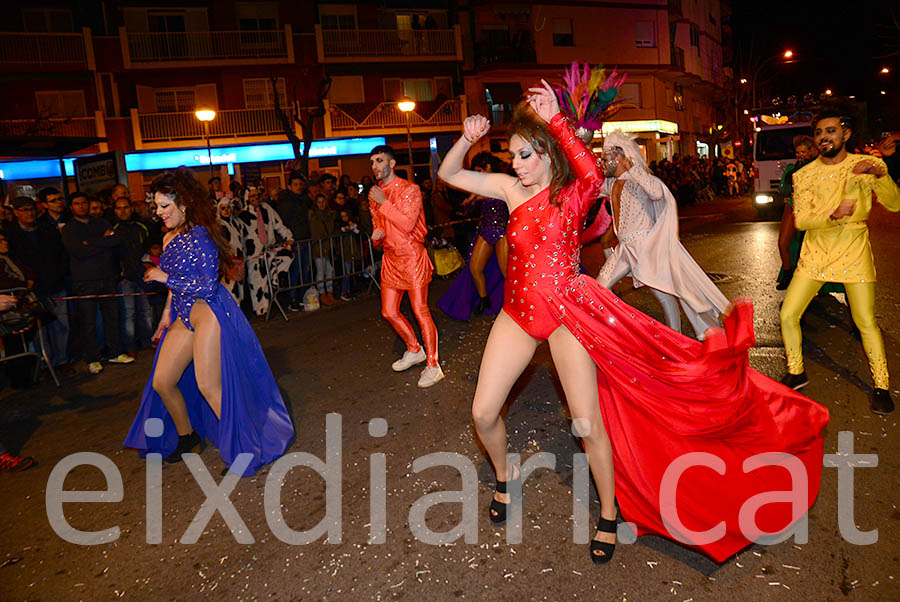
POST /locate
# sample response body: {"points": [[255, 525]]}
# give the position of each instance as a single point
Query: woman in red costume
{"points": [[642, 396]]}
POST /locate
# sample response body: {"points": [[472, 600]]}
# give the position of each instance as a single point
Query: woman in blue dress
{"points": [[210, 378], [479, 288]]}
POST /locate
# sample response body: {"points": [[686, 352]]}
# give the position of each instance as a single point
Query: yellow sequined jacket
{"points": [[839, 250]]}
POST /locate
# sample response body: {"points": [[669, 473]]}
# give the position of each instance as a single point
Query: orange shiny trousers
{"points": [[418, 298]]}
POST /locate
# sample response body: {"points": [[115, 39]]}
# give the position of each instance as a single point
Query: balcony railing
{"points": [[207, 47], [386, 118], [76, 127], [30, 50], [229, 123], [376, 45]]}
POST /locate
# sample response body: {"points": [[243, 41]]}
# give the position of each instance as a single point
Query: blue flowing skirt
{"points": [[461, 298], [254, 418]]}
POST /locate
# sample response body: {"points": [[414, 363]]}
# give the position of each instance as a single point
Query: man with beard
{"points": [[645, 220], [399, 222], [832, 200]]}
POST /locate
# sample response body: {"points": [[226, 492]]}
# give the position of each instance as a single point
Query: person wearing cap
{"points": [[38, 246]]}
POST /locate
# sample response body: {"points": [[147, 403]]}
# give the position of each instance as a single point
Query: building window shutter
{"points": [[206, 96], [644, 34], [393, 88], [346, 89]]}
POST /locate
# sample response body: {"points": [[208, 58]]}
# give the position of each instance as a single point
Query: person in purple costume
{"points": [[209, 378], [479, 288]]}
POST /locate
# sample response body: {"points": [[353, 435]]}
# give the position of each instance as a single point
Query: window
{"points": [[261, 16], [337, 16], [47, 20], [258, 93], [420, 90], [495, 36], [502, 97], [562, 32], [175, 100], [644, 34], [166, 22], [60, 103], [695, 36], [346, 89], [631, 93], [678, 97]]}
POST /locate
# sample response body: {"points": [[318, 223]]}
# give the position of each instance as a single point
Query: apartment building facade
{"points": [[130, 75]]}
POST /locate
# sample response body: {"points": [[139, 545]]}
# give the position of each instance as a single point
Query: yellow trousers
{"points": [[860, 296]]}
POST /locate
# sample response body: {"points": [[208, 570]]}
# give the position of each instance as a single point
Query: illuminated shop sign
{"points": [[641, 125], [197, 157]]}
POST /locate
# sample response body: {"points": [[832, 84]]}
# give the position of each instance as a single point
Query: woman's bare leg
{"points": [[481, 252], [507, 353], [578, 375], [502, 250], [207, 355], [176, 354]]}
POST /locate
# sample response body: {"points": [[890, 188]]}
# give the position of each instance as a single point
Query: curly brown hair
{"points": [[191, 196], [531, 128]]}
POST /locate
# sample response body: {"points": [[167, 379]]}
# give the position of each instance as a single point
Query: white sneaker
{"points": [[430, 376], [95, 367], [122, 358], [409, 359]]}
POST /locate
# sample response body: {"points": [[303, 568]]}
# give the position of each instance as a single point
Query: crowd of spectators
{"points": [[693, 179]]}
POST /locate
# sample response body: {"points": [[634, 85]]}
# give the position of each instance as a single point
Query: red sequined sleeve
{"points": [[584, 164], [403, 208]]}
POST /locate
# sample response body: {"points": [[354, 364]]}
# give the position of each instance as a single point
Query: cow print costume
{"points": [[279, 260]]}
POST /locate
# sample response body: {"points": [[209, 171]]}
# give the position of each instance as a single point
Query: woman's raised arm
{"points": [[492, 185]]}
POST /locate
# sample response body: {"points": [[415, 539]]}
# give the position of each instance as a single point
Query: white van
{"points": [[773, 150]]}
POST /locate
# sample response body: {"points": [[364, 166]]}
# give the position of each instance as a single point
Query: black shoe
{"points": [[482, 305], [186, 444], [795, 381], [601, 551], [295, 306], [497, 511], [881, 402], [785, 280]]}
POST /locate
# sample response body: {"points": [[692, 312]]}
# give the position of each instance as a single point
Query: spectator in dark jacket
{"points": [[293, 207], [57, 214], [92, 245], [38, 246], [136, 320]]}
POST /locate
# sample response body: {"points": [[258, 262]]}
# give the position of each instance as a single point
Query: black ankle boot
{"points": [[186, 444], [482, 305]]}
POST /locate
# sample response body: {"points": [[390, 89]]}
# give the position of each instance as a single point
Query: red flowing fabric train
{"points": [[664, 396]]}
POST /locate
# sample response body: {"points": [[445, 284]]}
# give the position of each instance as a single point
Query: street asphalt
{"points": [[337, 361]]}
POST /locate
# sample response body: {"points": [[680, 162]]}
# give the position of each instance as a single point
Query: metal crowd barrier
{"points": [[35, 323], [337, 249]]}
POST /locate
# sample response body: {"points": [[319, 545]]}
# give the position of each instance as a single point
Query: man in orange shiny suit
{"points": [[399, 222]]}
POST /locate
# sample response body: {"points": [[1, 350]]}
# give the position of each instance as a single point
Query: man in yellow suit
{"points": [[832, 200]]}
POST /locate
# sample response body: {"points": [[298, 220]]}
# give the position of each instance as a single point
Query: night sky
{"points": [[841, 46]]}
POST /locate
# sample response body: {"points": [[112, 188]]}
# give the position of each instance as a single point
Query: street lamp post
{"points": [[207, 115], [406, 105], [787, 54]]}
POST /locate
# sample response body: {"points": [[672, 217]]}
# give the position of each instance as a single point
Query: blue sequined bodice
{"points": [[191, 261]]}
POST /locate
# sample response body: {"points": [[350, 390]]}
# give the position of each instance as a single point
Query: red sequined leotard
{"points": [[662, 394]]}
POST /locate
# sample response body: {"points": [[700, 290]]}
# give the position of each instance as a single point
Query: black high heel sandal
{"points": [[601, 551], [186, 444], [481, 307], [497, 511]]}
